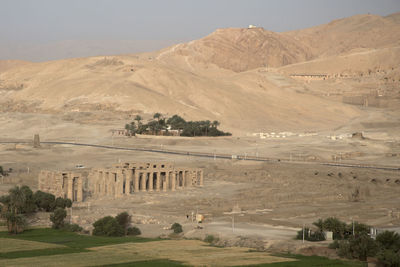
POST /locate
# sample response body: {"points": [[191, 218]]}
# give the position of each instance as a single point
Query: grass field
{"points": [[49, 247]]}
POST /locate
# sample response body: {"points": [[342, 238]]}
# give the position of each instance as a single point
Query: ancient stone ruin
{"points": [[122, 179], [62, 184]]}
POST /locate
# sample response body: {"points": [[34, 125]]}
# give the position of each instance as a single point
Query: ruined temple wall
{"points": [[62, 184]]}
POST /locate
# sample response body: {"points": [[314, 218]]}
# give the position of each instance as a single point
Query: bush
{"points": [[133, 231], [15, 222], [29, 205], [334, 245], [44, 201], [57, 218], [310, 235], [72, 227], [177, 228], [388, 258], [68, 203], [124, 220], [389, 240], [358, 247], [108, 226], [211, 239]]}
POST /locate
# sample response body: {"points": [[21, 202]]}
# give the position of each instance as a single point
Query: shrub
{"points": [[57, 218], [15, 222], [44, 201], [388, 258], [177, 228], [124, 220], [133, 231], [211, 239], [68, 203], [108, 226], [72, 227], [334, 245], [358, 247], [389, 240]]}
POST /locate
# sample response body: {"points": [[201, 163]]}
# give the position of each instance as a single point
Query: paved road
{"points": [[216, 156]]}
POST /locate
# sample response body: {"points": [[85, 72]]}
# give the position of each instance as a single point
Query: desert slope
{"points": [[229, 76], [243, 102], [344, 35]]}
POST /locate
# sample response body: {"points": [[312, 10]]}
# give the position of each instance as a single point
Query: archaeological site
{"points": [[123, 179]]}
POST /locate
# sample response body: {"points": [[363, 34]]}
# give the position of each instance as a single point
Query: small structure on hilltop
{"points": [[122, 179], [252, 26]]}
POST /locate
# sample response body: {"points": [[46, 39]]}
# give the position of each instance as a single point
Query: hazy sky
{"points": [[41, 25]]}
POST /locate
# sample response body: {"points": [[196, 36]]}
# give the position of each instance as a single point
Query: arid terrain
{"points": [[295, 97]]}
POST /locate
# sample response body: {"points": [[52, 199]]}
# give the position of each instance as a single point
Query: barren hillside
{"points": [[343, 35], [227, 76]]}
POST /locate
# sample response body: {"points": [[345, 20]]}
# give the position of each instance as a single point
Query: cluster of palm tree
{"points": [[21, 201], [160, 125], [14, 205]]}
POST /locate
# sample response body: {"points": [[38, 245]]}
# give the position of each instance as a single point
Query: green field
{"points": [[49, 247]]}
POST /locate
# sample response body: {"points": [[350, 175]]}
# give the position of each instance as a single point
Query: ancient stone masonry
{"points": [[122, 179], [62, 184], [132, 177]]}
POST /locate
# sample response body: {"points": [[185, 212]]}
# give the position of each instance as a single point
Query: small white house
{"points": [[252, 26]]}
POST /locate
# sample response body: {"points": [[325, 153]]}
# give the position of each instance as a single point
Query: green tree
{"points": [[44, 201], [29, 205], [107, 226], [176, 122], [124, 220], [388, 258], [157, 116], [57, 218], [138, 118], [389, 240], [17, 199], [15, 222], [177, 228], [133, 231]]}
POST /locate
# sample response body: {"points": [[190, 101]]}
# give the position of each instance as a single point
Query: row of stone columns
{"points": [[121, 182]]}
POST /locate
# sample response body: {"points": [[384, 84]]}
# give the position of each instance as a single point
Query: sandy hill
{"points": [[9, 64], [240, 49], [344, 35], [229, 76], [249, 101]]}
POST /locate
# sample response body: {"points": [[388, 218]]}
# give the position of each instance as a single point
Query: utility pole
{"points": [[233, 222], [303, 232]]}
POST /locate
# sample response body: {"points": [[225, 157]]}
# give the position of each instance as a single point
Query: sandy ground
{"points": [[275, 198]]}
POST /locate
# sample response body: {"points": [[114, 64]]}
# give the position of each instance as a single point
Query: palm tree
{"points": [[138, 118], [17, 199], [215, 124], [157, 116]]}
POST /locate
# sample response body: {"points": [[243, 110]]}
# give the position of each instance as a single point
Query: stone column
{"points": [[70, 186], [173, 182], [158, 184], [119, 184], [144, 177], [183, 178], [136, 184], [79, 195], [150, 174], [128, 181], [165, 183], [201, 178]]}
